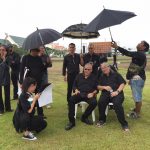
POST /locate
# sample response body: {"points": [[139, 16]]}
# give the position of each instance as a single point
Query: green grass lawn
{"points": [[82, 137]]}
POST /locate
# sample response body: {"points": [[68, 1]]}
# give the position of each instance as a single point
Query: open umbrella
{"points": [[76, 32], [40, 37], [108, 18]]}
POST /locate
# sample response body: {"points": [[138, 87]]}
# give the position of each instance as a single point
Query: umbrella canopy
{"points": [[108, 18], [40, 37], [76, 32]]}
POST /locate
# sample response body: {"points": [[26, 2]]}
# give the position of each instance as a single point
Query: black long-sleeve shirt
{"points": [[138, 58], [14, 61], [85, 85], [114, 80], [71, 63], [35, 66], [4, 72]]}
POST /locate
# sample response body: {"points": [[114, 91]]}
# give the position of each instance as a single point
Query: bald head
{"points": [[87, 69], [105, 67]]}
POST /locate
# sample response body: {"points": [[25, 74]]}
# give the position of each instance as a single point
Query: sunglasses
{"points": [[87, 69]]}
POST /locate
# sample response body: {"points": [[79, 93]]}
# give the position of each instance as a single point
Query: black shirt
{"points": [[92, 58], [138, 58], [35, 66], [71, 63], [85, 85], [24, 104], [14, 61], [114, 80], [4, 72]]}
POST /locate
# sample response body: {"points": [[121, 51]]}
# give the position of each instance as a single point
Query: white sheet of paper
{"points": [[46, 96]]}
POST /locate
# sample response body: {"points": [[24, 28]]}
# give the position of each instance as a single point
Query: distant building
{"points": [[102, 47], [56, 46], [15, 40]]}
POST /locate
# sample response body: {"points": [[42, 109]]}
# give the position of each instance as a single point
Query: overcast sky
{"points": [[21, 17]]}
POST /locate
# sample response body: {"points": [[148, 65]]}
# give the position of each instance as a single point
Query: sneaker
{"points": [[100, 123], [48, 106], [126, 128], [133, 115], [30, 137], [132, 109]]}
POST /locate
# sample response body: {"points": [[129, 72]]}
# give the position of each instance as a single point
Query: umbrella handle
{"points": [[111, 35], [42, 41]]}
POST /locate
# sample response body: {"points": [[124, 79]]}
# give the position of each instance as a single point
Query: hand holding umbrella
{"points": [[108, 18]]}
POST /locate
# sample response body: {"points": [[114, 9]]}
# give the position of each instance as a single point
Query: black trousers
{"points": [[70, 81], [76, 99], [7, 98], [14, 79], [117, 102], [37, 124]]}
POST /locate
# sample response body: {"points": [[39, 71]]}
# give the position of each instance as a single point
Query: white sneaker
{"points": [[30, 137]]}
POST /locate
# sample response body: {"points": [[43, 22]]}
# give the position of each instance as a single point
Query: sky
{"points": [[21, 17]]}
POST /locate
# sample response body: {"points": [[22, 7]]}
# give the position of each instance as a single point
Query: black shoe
{"points": [[125, 128], [87, 121], [42, 116], [15, 98], [9, 110], [69, 126]]}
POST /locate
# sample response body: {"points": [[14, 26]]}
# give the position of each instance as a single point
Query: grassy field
{"points": [[82, 137]]}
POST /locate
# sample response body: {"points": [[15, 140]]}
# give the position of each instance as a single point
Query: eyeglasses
{"points": [[87, 69]]}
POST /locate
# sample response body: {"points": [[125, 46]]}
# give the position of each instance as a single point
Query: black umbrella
{"points": [[108, 18], [76, 32], [40, 37]]}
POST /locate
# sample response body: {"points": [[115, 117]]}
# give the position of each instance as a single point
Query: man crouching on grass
{"points": [[85, 87]]}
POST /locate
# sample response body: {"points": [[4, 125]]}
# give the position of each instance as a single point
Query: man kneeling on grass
{"points": [[85, 87], [111, 84]]}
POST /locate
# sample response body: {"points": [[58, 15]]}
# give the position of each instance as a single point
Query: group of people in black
{"points": [[31, 73], [97, 76]]}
